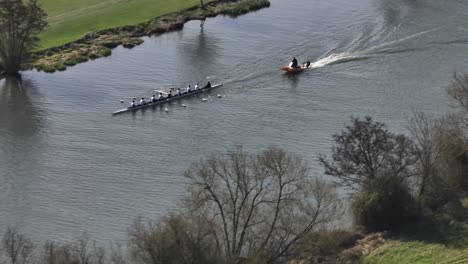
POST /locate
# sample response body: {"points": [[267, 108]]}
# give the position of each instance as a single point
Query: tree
{"points": [[175, 239], [17, 247], [202, 5], [366, 149], [441, 151], [20, 23], [458, 90], [258, 206], [385, 203]]}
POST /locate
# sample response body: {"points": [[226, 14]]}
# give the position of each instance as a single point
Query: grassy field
{"points": [[71, 19], [452, 248]]}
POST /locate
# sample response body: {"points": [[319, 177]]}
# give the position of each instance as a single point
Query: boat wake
{"points": [[336, 58], [386, 48]]}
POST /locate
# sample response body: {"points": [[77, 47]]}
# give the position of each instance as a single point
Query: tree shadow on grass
{"points": [[435, 231]]}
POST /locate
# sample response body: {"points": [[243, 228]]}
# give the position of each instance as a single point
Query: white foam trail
{"points": [[370, 52], [337, 58], [386, 44]]}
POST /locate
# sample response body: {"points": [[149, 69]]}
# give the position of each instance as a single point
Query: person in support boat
{"points": [[307, 64], [208, 85], [293, 63], [188, 89]]}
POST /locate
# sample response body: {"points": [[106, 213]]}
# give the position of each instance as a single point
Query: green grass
{"points": [[71, 19], [452, 248]]}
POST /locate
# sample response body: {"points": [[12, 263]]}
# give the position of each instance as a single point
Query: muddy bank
{"points": [[100, 43]]}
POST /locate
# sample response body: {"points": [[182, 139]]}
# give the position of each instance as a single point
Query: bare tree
{"points": [[17, 247], [116, 255], [426, 133], [202, 5], [366, 149], [442, 149], [458, 90], [175, 239], [259, 205], [81, 252], [20, 23]]}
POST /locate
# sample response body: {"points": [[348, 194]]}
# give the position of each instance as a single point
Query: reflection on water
{"points": [[21, 148], [199, 50], [19, 116]]}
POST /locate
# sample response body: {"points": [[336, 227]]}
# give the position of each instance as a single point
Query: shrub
{"points": [[60, 67], [70, 62], [328, 242], [93, 56], [176, 239], [106, 52], [384, 204], [48, 68], [81, 58]]}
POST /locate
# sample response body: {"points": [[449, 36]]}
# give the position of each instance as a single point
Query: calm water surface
{"points": [[67, 166]]}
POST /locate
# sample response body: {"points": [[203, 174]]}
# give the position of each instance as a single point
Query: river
{"points": [[67, 166]]}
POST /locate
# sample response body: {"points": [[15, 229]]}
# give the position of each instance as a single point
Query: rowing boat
{"points": [[165, 100]]}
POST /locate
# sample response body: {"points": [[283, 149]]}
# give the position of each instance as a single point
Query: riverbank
{"points": [[100, 43], [444, 244]]}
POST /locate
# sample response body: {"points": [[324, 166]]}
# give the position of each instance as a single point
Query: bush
{"points": [[384, 204], [106, 52], [60, 67], [328, 242], [48, 68], [81, 59], [244, 6], [176, 239], [93, 56], [70, 62]]}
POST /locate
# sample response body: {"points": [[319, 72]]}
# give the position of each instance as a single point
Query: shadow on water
{"points": [[19, 115]]}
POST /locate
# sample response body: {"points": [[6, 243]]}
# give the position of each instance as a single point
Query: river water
{"points": [[67, 166]]}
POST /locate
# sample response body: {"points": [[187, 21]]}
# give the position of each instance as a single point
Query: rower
{"points": [[188, 89], [160, 96], [178, 91], [196, 87], [153, 98], [142, 101], [169, 95], [293, 63], [208, 85], [133, 104]]}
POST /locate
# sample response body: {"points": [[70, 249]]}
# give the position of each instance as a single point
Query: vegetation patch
{"points": [[434, 242], [243, 7], [98, 44]]}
